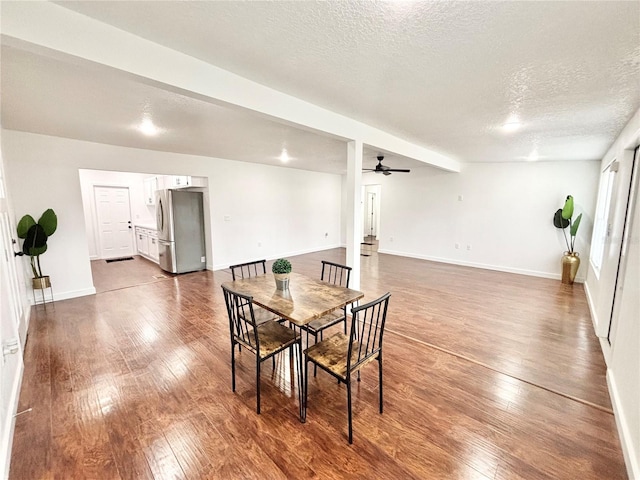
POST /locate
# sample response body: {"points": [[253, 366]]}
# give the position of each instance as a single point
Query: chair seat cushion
{"points": [[274, 337], [331, 354], [325, 321]]}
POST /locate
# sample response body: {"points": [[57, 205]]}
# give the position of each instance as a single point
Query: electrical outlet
{"points": [[227, 218], [326, 235], [391, 239], [457, 246], [259, 244], [460, 198], [469, 247]]}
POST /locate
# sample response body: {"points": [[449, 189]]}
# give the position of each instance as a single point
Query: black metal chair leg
{"points": [[349, 408], [300, 386], [380, 378], [306, 386], [233, 367], [258, 384]]}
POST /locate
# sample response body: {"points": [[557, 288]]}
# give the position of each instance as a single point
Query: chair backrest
{"points": [[335, 273], [242, 321], [367, 328], [249, 269]]}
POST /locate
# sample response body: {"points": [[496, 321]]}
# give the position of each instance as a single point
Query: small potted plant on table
{"points": [[281, 271]]}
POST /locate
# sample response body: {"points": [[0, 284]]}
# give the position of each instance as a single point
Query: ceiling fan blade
{"points": [[401, 170]]}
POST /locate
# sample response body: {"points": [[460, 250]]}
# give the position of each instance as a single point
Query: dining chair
{"points": [[264, 341], [343, 355], [337, 275], [253, 269]]}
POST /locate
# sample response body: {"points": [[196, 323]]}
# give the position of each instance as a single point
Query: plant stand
{"points": [[42, 284]]}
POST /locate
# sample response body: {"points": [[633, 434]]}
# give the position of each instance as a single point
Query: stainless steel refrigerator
{"points": [[180, 219]]}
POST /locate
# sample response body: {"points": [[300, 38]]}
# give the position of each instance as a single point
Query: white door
{"points": [[11, 364], [113, 213]]}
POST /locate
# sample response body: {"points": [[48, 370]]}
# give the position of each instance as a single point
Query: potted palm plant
{"points": [[35, 235], [281, 269], [562, 219]]}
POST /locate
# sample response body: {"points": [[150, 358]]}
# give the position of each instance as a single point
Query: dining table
{"points": [[305, 300]]}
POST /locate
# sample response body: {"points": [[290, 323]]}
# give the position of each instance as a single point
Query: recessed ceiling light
{"points": [[512, 124], [147, 127], [284, 156], [533, 156]]}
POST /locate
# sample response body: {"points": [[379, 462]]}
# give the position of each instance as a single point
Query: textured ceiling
{"points": [[444, 75]]}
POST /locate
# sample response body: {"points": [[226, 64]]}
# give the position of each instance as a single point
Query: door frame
{"points": [[366, 190], [11, 328]]}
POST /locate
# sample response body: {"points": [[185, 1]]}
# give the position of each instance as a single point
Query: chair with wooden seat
{"points": [[343, 355], [263, 340], [337, 275], [253, 269]]}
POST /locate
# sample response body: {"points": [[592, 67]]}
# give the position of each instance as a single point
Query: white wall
{"points": [[287, 211], [622, 354], [141, 213], [505, 214]]}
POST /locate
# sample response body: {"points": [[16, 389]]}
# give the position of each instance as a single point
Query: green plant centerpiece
{"points": [[562, 219], [281, 269], [35, 235]]}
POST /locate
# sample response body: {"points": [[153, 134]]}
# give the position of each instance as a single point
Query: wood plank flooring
{"points": [[126, 273], [487, 376]]}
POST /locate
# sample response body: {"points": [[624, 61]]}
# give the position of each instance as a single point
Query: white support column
{"points": [[354, 210]]}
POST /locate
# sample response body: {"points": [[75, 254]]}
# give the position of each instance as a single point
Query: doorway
{"points": [[609, 241], [621, 263], [370, 219]]}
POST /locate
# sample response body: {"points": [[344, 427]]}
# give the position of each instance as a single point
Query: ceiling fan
{"points": [[380, 168]]}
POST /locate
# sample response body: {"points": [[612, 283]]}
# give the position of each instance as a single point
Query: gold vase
{"points": [[570, 265]]}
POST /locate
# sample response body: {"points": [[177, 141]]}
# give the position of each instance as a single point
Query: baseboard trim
{"points": [[498, 268], [626, 441], [66, 295], [293, 253]]}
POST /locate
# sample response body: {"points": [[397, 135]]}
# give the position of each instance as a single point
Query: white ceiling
{"points": [[443, 75]]}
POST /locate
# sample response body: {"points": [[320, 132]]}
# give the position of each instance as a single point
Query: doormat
{"points": [[118, 259]]}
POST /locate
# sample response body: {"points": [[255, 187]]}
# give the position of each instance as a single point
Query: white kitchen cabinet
{"points": [[147, 243], [176, 181], [142, 241], [150, 187], [153, 247]]}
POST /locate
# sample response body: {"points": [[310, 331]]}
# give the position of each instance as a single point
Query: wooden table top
{"points": [[306, 299]]}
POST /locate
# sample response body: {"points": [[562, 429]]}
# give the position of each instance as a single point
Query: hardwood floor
{"points": [[487, 376], [126, 273]]}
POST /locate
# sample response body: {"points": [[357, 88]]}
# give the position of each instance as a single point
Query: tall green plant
{"points": [[35, 237], [563, 218]]}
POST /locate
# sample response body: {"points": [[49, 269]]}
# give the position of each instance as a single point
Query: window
{"points": [[602, 226]]}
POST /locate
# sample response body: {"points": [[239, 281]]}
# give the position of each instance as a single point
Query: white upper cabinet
{"points": [[150, 187], [165, 182]]}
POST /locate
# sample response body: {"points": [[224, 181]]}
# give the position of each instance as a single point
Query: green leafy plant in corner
{"points": [[35, 237], [281, 265], [563, 218]]}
